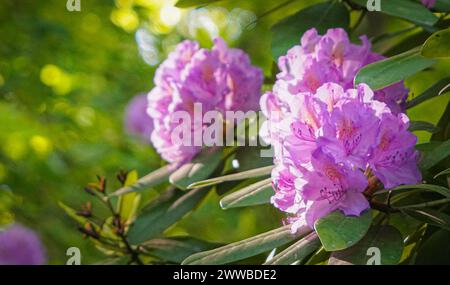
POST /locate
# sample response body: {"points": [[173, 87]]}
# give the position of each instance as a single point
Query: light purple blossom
{"points": [[221, 79], [429, 3], [21, 246], [324, 142], [137, 121], [330, 58]]}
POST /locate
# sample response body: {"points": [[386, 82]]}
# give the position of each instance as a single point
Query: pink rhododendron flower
{"points": [[137, 121], [429, 3], [330, 58], [20, 246], [325, 141], [220, 79]]}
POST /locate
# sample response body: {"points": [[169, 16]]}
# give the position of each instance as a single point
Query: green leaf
{"points": [[246, 248], [162, 214], [7, 201], [407, 10], [386, 238], [175, 249], [296, 252], [447, 171], [156, 177], [444, 125], [435, 250], [193, 3], [337, 231], [433, 157], [391, 70], [255, 194], [429, 216], [442, 6], [427, 187], [73, 213], [232, 177], [198, 169], [322, 16], [430, 93], [128, 204], [423, 126], [437, 45]]}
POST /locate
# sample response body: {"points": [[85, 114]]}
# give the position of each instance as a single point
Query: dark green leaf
{"points": [[175, 249], [296, 252], [427, 187], [433, 157], [447, 171], [430, 93], [444, 125], [429, 216], [162, 214], [437, 45], [337, 231], [391, 70], [407, 10], [423, 126], [442, 6], [321, 16], [386, 239], [198, 169], [435, 250], [246, 248], [255, 194]]}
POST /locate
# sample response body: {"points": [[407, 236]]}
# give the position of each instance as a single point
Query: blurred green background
{"points": [[66, 77]]}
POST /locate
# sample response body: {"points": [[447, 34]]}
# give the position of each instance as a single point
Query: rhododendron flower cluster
{"points": [[327, 137], [137, 121], [221, 79], [21, 246]]}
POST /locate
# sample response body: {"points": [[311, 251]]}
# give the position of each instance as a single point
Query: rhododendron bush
{"points": [[279, 133]]}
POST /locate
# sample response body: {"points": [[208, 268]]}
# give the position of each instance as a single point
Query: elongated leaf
{"points": [[444, 125], [430, 93], [435, 250], [154, 178], [337, 231], [128, 204], [429, 216], [391, 70], [444, 172], [194, 3], [198, 169], [437, 45], [296, 252], [255, 194], [232, 177], [175, 249], [407, 10], [442, 6], [246, 248], [433, 157], [73, 213], [387, 240], [161, 215], [321, 16], [423, 126], [427, 187]]}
